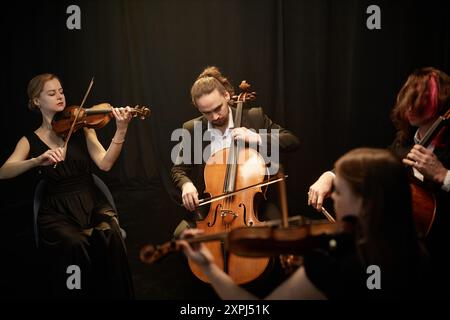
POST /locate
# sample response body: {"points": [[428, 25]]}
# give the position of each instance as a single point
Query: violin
{"points": [[95, 117], [262, 241], [271, 238]]}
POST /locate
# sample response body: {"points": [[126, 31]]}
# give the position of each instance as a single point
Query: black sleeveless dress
{"points": [[77, 227]]}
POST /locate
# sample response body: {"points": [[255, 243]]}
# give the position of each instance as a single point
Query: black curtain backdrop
{"points": [[318, 70]]}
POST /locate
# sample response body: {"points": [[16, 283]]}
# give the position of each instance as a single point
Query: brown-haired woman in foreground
{"points": [[371, 190]]}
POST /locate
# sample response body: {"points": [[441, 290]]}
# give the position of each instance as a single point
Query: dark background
{"points": [[316, 67]]}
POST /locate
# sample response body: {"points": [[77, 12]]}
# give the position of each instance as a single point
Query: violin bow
{"points": [[275, 179], [76, 116], [78, 112], [327, 215]]}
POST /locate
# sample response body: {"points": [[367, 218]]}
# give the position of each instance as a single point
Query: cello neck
{"points": [[434, 129], [430, 134], [230, 176], [238, 116]]}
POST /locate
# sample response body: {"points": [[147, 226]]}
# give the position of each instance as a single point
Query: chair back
{"points": [[39, 195]]}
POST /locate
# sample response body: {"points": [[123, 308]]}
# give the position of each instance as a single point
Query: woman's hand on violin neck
{"points": [[123, 117], [51, 156], [246, 135], [198, 253], [189, 195]]}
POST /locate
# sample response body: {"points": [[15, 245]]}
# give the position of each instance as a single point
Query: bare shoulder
{"points": [[23, 143], [21, 151]]}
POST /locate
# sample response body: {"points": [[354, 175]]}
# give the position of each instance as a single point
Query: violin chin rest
{"points": [[183, 225]]}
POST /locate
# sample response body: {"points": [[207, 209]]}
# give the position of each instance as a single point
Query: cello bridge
{"points": [[228, 216]]}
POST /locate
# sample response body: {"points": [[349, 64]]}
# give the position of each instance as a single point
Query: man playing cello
{"points": [[212, 96]]}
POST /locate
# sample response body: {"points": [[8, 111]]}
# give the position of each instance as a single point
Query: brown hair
{"points": [[415, 94], [35, 87], [209, 80], [386, 235]]}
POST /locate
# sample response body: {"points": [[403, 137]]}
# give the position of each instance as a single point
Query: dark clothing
{"points": [[338, 271], [437, 241], [253, 118], [437, 236], [78, 226]]}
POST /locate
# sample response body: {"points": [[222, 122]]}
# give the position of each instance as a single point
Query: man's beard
{"points": [[219, 123]]}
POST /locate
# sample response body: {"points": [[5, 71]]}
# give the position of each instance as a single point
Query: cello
{"points": [[424, 201], [225, 171]]}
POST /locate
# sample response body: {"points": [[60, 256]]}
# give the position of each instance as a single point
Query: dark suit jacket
{"points": [[253, 118]]}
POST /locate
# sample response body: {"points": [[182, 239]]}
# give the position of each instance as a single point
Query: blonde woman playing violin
{"points": [[76, 224]]}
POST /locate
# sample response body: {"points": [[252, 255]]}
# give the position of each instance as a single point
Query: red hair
{"points": [[426, 93]]}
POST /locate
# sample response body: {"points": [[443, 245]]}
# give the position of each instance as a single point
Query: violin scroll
{"points": [[150, 254], [141, 112]]}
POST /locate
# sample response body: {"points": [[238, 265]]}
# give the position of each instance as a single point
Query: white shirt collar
{"points": [[416, 137], [417, 141]]}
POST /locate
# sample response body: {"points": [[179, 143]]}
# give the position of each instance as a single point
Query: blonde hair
{"points": [[35, 87], [209, 80]]}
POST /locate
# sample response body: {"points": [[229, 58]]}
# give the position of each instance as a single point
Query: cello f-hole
{"points": [[219, 206], [250, 222]]}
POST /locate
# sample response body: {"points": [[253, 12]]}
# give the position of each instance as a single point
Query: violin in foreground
{"points": [[261, 241]]}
